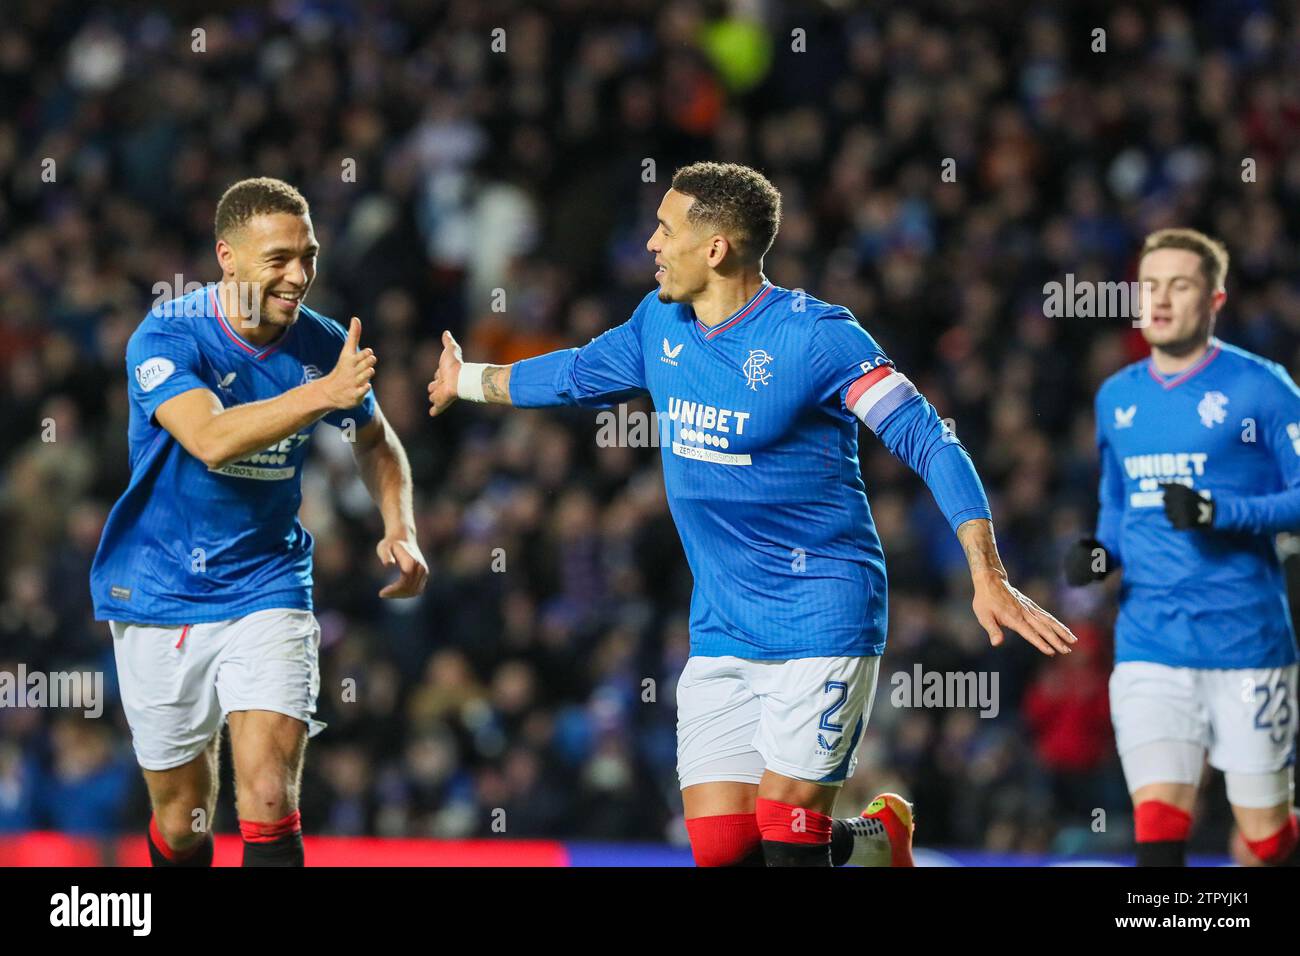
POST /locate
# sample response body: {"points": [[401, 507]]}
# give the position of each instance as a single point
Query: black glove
{"points": [[1087, 561], [1186, 509]]}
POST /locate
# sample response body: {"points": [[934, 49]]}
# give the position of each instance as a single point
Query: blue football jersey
{"points": [[1229, 426], [186, 545], [760, 460]]}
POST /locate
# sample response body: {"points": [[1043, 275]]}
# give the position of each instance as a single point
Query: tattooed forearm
{"points": [[496, 384], [976, 537]]}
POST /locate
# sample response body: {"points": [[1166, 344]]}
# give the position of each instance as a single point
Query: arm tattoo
{"points": [[976, 537], [496, 384]]}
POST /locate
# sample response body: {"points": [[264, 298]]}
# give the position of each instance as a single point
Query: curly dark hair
{"points": [[256, 197], [738, 201]]}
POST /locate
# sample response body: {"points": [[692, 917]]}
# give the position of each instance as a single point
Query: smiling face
{"points": [[274, 254], [684, 252], [1178, 305]]}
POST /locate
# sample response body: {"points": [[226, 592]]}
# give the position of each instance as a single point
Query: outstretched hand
{"points": [[997, 605], [443, 389]]}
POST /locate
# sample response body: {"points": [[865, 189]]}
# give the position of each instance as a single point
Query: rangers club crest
{"points": [[755, 369], [1211, 409]]}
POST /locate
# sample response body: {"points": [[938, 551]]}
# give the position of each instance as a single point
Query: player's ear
{"points": [[718, 249], [1217, 300], [225, 257]]}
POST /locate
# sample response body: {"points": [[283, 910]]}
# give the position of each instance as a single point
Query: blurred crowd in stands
{"points": [[506, 195]]}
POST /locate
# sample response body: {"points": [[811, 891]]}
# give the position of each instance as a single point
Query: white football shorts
{"points": [[800, 718], [178, 684], [1168, 718]]}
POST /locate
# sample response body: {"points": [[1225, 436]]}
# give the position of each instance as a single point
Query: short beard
{"points": [[271, 318], [270, 314]]}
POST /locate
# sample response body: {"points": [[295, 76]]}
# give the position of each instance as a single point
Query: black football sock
{"points": [[793, 835], [841, 842], [755, 857], [273, 844], [160, 854], [1162, 853], [776, 853]]}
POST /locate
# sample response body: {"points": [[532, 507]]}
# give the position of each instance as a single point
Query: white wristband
{"points": [[469, 385]]}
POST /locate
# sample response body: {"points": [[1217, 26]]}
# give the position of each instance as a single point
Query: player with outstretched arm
{"points": [[1200, 470], [203, 570], [763, 389]]}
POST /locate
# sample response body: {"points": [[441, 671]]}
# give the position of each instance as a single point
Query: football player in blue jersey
{"points": [[1199, 449], [759, 392], [203, 570]]}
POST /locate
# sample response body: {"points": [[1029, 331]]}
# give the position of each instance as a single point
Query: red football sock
{"points": [[273, 844], [1156, 821], [785, 823], [1276, 848], [254, 832], [793, 836], [723, 840]]}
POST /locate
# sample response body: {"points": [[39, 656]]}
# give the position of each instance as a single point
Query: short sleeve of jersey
{"points": [[324, 355], [841, 353], [162, 361]]}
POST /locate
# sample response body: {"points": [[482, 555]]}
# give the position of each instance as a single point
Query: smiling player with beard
{"points": [[764, 389], [203, 570]]}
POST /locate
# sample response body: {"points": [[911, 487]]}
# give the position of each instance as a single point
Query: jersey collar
{"points": [[238, 340], [1179, 377], [749, 308]]}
